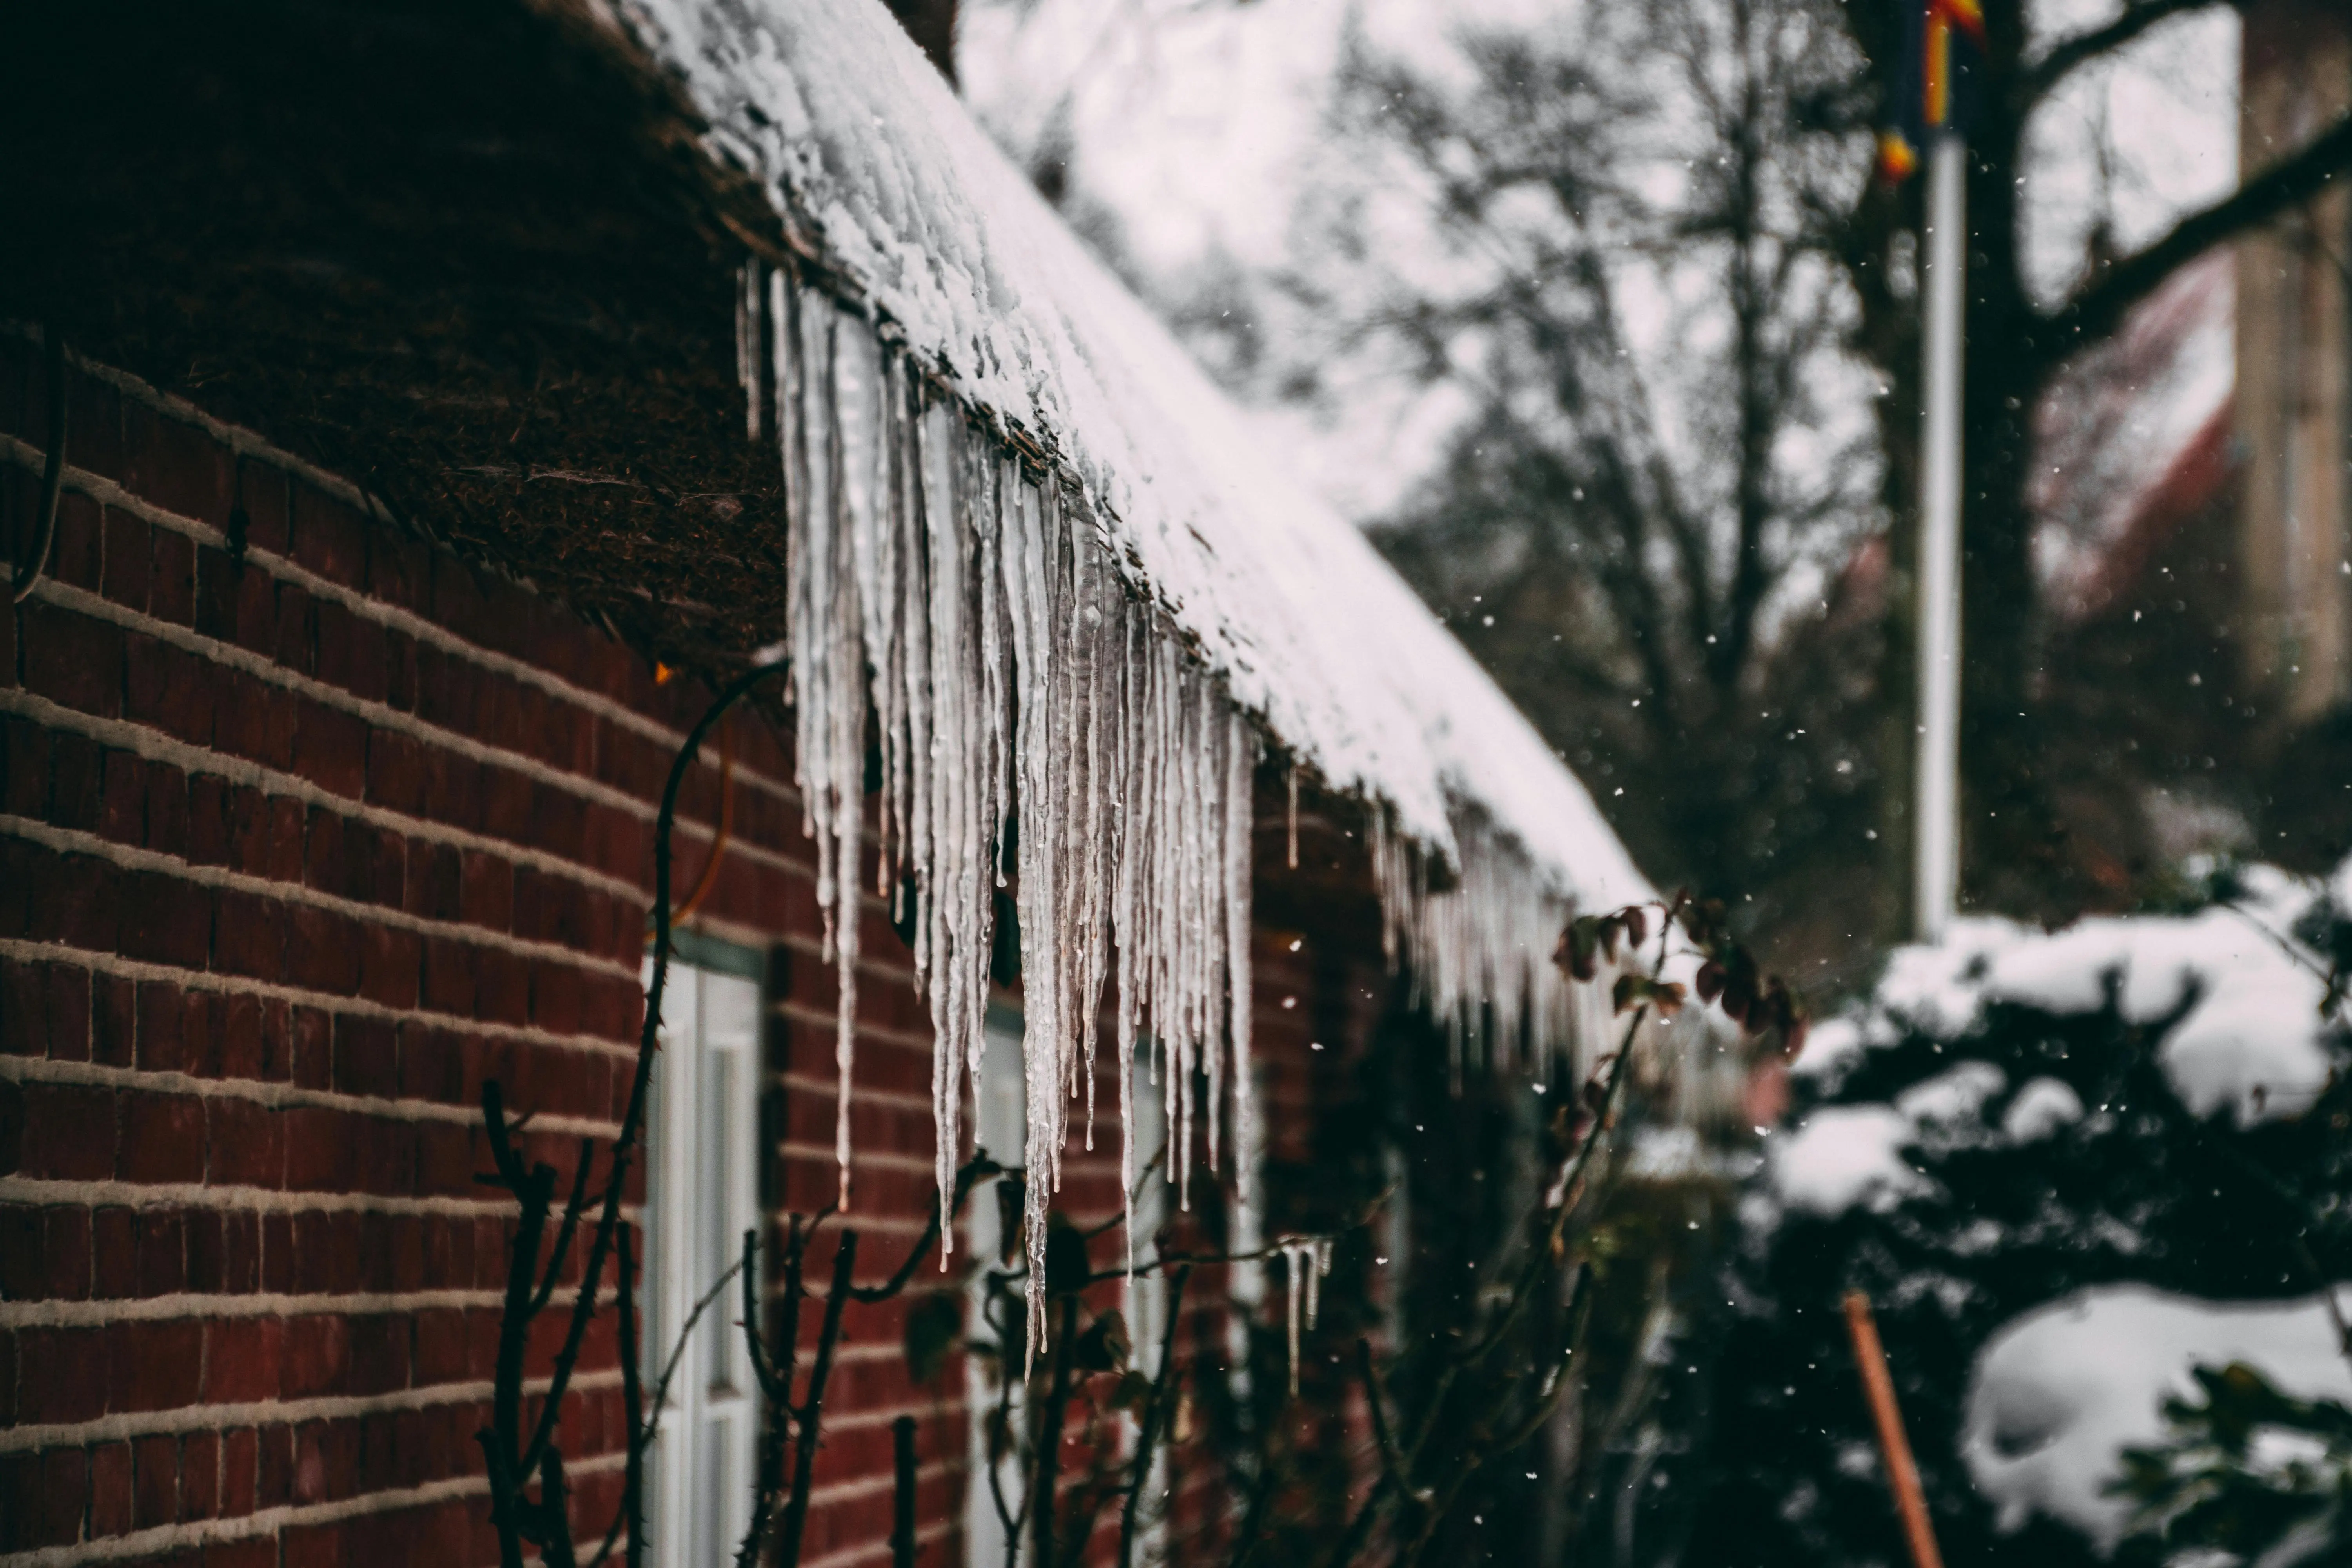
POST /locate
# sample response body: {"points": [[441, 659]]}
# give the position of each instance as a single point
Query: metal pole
{"points": [[1935, 830]]}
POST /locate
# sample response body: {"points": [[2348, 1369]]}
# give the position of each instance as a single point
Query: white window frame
{"points": [[1000, 1115], [702, 1181]]}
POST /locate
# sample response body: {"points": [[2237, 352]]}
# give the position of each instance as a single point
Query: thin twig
{"points": [[902, 1492], [1155, 1416], [811, 1409], [53, 469]]}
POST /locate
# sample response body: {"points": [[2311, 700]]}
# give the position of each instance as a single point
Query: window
{"points": [[1000, 1100], [702, 1193]]}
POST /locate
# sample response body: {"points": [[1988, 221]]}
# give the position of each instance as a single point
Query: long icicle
{"points": [[1023, 694]]}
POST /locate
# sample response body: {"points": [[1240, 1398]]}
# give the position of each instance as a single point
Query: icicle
{"points": [[1241, 773], [828, 676], [1029, 709], [1293, 860], [1306, 1260], [747, 343]]}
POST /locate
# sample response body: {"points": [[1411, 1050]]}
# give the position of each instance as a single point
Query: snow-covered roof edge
{"points": [[860, 143]]}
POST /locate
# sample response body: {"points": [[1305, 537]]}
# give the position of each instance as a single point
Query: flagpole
{"points": [[1935, 830]]}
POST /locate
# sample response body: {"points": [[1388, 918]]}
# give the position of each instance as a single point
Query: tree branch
{"points": [[2099, 309], [2070, 55]]}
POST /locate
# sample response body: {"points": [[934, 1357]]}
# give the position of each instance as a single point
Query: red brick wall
{"points": [[295, 849], [293, 852]]}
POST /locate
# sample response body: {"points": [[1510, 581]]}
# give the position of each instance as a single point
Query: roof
{"points": [[875, 164]]}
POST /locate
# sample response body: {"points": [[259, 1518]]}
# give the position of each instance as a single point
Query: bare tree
{"points": [[1622, 261]]}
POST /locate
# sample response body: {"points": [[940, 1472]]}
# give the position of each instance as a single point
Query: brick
{"points": [[180, 467], [123, 798], [128, 560], [501, 986], [249, 935], [240, 1467], [367, 1058], [379, 864], [163, 1138], [166, 920], [114, 1254], [396, 770], [379, 1352], [433, 880], [73, 900], [68, 1132], [208, 842], [77, 783], [94, 418], [155, 1365], [243, 1359], [326, 865], [25, 779], [166, 791], [200, 1476], [449, 976], [240, 1031], [278, 1257], [163, 1241], [76, 550], [294, 621], [274, 1468], [20, 1252], [201, 1015], [62, 1376], [162, 1042], [277, 1040], [65, 1496], [319, 1149], [245, 1141], [71, 660], [398, 569], [329, 537], [154, 1481], [317, 1356], [168, 688], [261, 492], [330, 748], [312, 1036], [400, 670], [172, 578], [208, 1261], [65, 1252], [486, 891], [65, 1011], [109, 1491], [241, 1253], [322, 950], [355, 655], [114, 1021], [252, 1552], [282, 841]]}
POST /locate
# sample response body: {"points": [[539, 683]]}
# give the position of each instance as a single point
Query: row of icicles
{"points": [[1042, 728]]}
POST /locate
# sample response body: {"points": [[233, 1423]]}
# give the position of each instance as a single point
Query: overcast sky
{"points": [[1191, 121]]}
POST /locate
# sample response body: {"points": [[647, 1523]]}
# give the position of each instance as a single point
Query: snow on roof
{"points": [[2133, 436], [860, 141], [2059, 1394]]}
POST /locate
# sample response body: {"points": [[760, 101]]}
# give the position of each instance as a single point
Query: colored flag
{"points": [[1932, 79]]}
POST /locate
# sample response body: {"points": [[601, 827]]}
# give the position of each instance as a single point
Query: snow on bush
{"points": [[2062, 1393], [2008, 1120]]}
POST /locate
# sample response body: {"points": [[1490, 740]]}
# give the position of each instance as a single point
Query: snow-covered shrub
{"points": [[2013, 1117], [2247, 1473]]}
